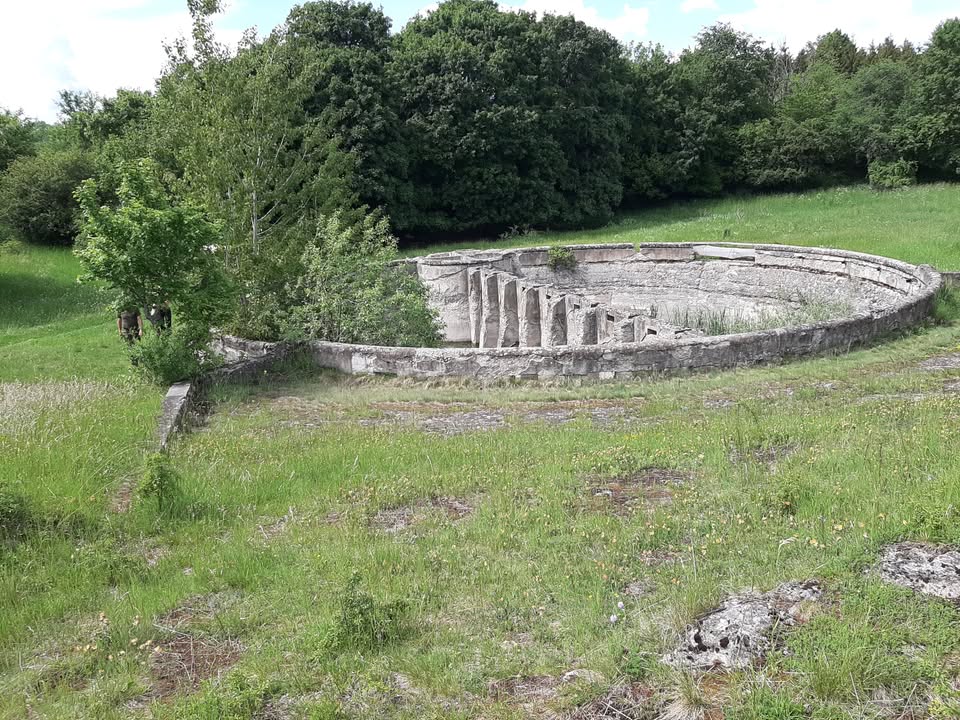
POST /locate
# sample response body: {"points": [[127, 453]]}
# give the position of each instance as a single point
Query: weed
{"points": [[160, 481], [364, 622], [561, 259]]}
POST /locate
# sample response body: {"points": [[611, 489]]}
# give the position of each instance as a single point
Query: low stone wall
{"points": [[897, 296], [247, 361]]}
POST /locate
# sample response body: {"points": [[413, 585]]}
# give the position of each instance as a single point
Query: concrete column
{"points": [[624, 331], [554, 330], [509, 334], [529, 317], [490, 310], [474, 297], [588, 326]]}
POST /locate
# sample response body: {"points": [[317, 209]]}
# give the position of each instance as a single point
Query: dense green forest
{"points": [[473, 119]]}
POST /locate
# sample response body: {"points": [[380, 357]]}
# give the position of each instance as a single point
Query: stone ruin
{"points": [[624, 311]]}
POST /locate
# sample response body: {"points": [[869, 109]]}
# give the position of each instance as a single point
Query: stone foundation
{"points": [[530, 321]]}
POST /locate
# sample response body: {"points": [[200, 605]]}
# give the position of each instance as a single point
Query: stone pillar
{"points": [[624, 331], [588, 326], [509, 335], [490, 310], [529, 312], [474, 297], [604, 325], [554, 326]]}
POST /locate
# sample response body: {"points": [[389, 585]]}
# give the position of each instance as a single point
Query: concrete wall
{"points": [[897, 296], [745, 279]]}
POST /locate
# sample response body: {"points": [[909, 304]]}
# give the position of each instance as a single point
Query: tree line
{"points": [[472, 119]]}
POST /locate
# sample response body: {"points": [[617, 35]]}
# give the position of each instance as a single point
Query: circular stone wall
{"points": [[625, 310]]}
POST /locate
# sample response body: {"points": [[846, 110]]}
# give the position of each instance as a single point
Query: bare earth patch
{"points": [[649, 488], [622, 702], [182, 663], [447, 424], [397, 519], [739, 632], [928, 569], [534, 694], [196, 609], [950, 361], [768, 455]]}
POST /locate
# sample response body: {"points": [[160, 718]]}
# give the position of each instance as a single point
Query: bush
{"points": [[36, 195], [363, 622], [352, 291], [561, 259], [166, 358], [892, 175]]}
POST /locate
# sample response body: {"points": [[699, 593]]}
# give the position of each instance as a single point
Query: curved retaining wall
{"points": [[898, 295]]}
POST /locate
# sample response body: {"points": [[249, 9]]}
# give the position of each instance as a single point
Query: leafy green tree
{"points": [[239, 134], [36, 194], [18, 137], [513, 121], [151, 248], [652, 163], [344, 49], [724, 84], [835, 49], [935, 119], [352, 289]]}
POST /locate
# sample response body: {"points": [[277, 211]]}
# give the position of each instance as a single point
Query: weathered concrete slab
{"points": [[927, 569], [739, 632]]}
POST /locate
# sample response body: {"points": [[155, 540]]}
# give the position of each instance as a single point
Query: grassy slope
{"points": [[524, 585], [920, 225]]}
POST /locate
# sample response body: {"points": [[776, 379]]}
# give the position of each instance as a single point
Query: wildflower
{"points": [[613, 619], [620, 605]]}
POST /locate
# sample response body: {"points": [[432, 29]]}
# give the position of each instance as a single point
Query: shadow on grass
{"points": [[27, 299]]}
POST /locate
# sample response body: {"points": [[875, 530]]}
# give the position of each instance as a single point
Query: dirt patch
{"points": [[447, 424], [196, 609], [741, 630], [769, 456], [928, 569], [636, 589], [950, 361], [397, 519], [622, 702], [122, 499], [183, 662], [269, 528], [649, 488], [533, 689]]}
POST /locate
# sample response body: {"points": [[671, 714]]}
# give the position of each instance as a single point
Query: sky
{"points": [[102, 45]]}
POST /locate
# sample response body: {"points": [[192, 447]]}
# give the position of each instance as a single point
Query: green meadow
{"points": [[322, 546]]}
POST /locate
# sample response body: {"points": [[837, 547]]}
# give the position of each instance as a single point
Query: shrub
{"points": [[892, 175], [166, 358], [36, 195], [363, 622], [352, 291], [561, 259]]}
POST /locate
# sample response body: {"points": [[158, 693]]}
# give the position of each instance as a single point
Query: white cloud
{"points": [[99, 45], [689, 6], [796, 22]]}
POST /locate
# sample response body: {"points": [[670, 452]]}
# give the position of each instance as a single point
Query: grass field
{"points": [[921, 225], [331, 547]]}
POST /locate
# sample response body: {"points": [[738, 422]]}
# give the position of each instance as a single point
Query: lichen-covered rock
{"points": [[740, 630], [928, 569]]}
